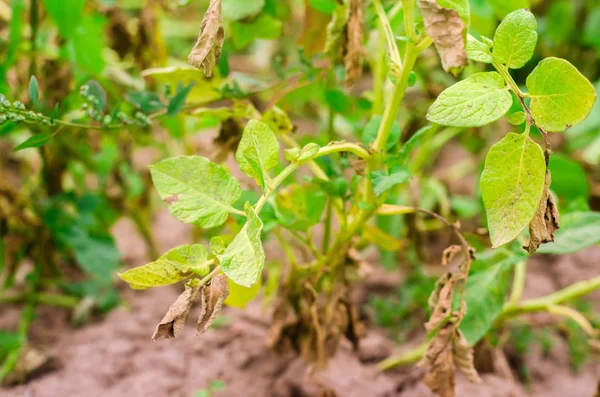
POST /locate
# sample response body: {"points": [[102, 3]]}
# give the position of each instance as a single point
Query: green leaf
{"points": [[175, 265], [34, 89], [484, 296], [177, 102], [383, 182], [204, 91], [561, 96], [217, 245], [146, 101], [240, 296], [326, 6], [370, 132], [515, 39], [263, 27], [244, 258], [96, 91], [86, 45], [478, 100], [408, 147], [67, 17], [196, 190], [258, 151], [235, 10], [517, 118], [512, 184], [503, 7], [298, 207], [578, 230], [35, 141], [478, 51], [569, 179]]}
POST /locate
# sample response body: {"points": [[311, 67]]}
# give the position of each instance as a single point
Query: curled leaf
{"points": [[447, 27], [354, 49], [463, 356], [545, 221], [207, 50], [211, 300], [336, 30], [450, 253], [172, 323]]}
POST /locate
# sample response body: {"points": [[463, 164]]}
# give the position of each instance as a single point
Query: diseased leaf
{"points": [[463, 356], [447, 22], [478, 51], [512, 183], [173, 322], [240, 296], [196, 190], [515, 39], [244, 258], [561, 96], [545, 221], [450, 253], [211, 299], [207, 50], [258, 151], [217, 245], [336, 30], [477, 100], [175, 265], [36, 140], [578, 230], [353, 58]]}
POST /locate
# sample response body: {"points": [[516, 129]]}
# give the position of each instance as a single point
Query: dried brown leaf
{"points": [[463, 356], [353, 59], [441, 377], [173, 322], [207, 50], [545, 221], [450, 253], [212, 301], [441, 302], [448, 32]]}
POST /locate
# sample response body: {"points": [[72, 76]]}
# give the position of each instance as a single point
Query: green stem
{"points": [[518, 284], [406, 358], [51, 299], [409, 19]]}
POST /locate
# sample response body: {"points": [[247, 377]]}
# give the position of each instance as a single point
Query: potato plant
{"points": [[312, 310], [324, 202]]}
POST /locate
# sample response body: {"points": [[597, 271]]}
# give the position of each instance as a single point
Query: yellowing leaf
{"points": [[515, 39], [375, 235], [561, 96], [244, 258], [477, 100], [175, 265], [240, 296], [512, 184], [258, 151], [196, 190]]}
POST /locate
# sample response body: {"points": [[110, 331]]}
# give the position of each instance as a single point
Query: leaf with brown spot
{"points": [[450, 253], [441, 377], [211, 301], [353, 59], [463, 356], [173, 322], [207, 50], [545, 221], [448, 29]]}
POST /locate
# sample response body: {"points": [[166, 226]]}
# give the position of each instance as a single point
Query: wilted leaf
{"points": [[561, 96], [463, 356], [512, 183], [353, 57], [450, 253], [207, 50], [336, 30], [545, 222], [175, 265], [446, 23], [212, 300], [244, 258], [258, 151], [196, 190], [173, 322], [475, 101]]}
